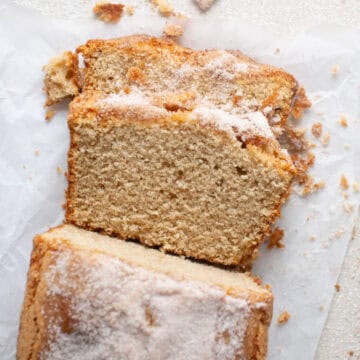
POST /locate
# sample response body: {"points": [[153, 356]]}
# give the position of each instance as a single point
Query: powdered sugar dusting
{"points": [[119, 311], [245, 126], [226, 66]]}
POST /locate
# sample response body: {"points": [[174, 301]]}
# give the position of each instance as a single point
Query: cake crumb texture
{"points": [[62, 78], [176, 182]]}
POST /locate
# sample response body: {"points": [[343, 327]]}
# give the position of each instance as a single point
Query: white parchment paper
{"points": [[32, 186]]}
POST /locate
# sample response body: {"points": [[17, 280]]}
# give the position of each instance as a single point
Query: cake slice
{"points": [[90, 297], [202, 183], [227, 79]]}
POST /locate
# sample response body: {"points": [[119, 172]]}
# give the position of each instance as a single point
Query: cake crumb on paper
{"points": [[173, 30], [343, 122], [164, 7], [326, 139], [275, 239], [277, 51], [335, 70], [36, 152], [59, 170], [356, 187], [312, 238], [351, 353], [321, 307], [204, 5], [348, 207], [337, 287], [49, 115], [130, 9], [344, 183], [346, 146], [108, 12], [316, 129], [283, 318]]}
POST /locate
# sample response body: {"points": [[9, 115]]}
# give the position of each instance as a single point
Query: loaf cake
{"points": [[227, 79], [90, 297], [203, 183]]}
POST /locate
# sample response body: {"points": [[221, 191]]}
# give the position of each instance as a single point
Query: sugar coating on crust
{"points": [[226, 78], [92, 302], [242, 125]]}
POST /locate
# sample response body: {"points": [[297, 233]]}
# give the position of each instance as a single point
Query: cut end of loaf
{"points": [[171, 181]]}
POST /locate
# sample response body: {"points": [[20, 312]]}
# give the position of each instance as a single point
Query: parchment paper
{"points": [[32, 186]]}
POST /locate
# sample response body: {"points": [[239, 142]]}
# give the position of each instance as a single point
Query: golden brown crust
{"points": [[30, 338]]}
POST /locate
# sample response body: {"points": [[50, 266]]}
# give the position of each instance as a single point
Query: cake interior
{"points": [[171, 183]]}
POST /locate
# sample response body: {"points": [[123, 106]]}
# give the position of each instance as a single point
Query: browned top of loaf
{"points": [[161, 65]]}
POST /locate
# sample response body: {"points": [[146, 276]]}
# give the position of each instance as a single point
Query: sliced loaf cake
{"points": [[90, 297], [203, 183]]}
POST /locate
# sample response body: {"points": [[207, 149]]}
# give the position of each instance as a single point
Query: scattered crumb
{"points": [[301, 104], [356, 186], [312, 238], [173, 30], [343, 122], [346, 146], [344, 183], [316, 129], [49, 115], [348, 206], [275, 239], [351, 353], [130, 10], [337, 287], [338, 233], [204, 5], [59, 170], [283, 317], [24, 166], [277, 51], [335, 70], [321, 307], [164, 7], [346, 195], [326, 139], [108, 12], [257, 280]]}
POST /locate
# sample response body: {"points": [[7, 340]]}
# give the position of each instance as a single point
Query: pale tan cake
{"points": [[90, 297], [226, 79], [203, 183], [62, 78]]}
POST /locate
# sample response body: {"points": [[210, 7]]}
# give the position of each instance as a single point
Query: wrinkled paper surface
{"points": [[32, 185]]}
